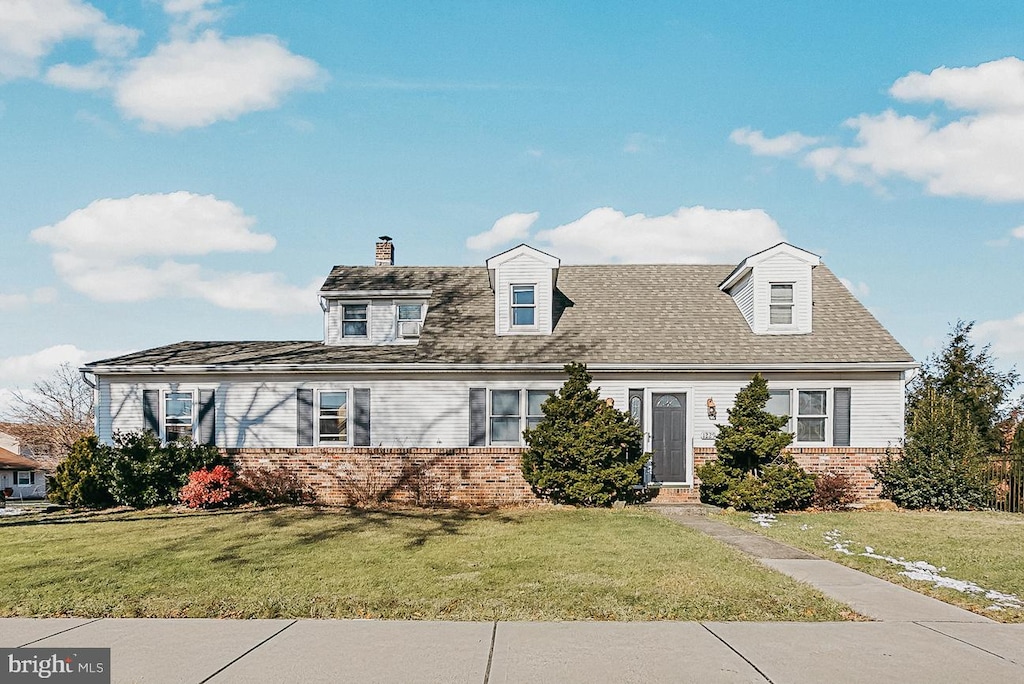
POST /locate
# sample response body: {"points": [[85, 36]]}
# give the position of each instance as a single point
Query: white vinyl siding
{"points": [[743, 295], [431, 410], [523, 270], [782, 269], [381, 322]]}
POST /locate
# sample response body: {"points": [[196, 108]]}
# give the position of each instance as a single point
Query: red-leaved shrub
{"points": [[834, 491], [208, 488], [267, 486]]}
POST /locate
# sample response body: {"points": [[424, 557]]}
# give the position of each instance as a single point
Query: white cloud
{"points": [[123, 250], [42, 295], [687, 235], [158, 224], [1006, 337], [1018, 232], [860, 289], [976, 155], [185, 84], [505, 230], [779, 146], [23, 371], [988, 87], [29, 30], [92, 76], [191, 14]]}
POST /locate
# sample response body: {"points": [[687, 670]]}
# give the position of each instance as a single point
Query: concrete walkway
{"points": [[872, 597], [482, 652]]}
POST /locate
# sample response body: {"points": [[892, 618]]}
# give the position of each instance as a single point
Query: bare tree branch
{"points": [[50, 417]]}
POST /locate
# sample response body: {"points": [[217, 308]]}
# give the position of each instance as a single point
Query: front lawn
{"points": [[556, 564], [984, 548]]}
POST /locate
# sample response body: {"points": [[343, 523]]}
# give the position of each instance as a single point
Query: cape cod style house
{"points": [[427, 376]]}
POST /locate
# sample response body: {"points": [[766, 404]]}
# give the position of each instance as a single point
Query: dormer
{"points": [[370, 305], [772, 289], [523, 280]]}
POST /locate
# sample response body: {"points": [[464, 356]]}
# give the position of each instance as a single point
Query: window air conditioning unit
{"points": [[409, 328]]}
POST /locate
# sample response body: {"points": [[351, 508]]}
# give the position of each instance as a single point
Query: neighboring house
{"points": [[427, 376], [21, 476]]}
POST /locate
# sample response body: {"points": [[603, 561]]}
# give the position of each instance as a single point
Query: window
{"points": [[505, 417], [781, 307], [179, 415], [524, 306], [409, 312], [779, 405], [534, 400], [353, 320], [24, 477], [332, 417], [812, 410], [512, 412]]}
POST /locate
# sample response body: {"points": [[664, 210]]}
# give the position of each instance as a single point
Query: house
{"points": [[426, 377], [20, 476]]}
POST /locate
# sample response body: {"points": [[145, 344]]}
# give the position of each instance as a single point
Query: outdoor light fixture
{"points": [[712, 411]]}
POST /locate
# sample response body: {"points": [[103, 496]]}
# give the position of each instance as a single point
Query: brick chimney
{"points": [[385, 255]]}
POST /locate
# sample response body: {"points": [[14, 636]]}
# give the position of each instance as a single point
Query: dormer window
{"points": [[410, 320], [524, 306], [781, 307], [353, 320]]}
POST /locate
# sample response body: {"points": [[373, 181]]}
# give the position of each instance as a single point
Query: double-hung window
{"points": [[410, 320], [332, 417], [811, 413], [534, 400], [179, 416], [781, 305], [511, 412], [353, 320], [780, 404], [505, 417], [24, 478], [524, 306]]}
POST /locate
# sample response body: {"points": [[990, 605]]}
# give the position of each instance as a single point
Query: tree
{"points": [[53, 415], [943, 464], [751, 472], [754, 437], [584, 451], [81, 479], [968, 377], [143, 472]]}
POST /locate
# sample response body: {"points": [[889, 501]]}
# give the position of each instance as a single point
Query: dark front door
{"points": [[669, 437]]}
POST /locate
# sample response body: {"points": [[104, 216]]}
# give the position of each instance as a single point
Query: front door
{"points": [[669, 437]]}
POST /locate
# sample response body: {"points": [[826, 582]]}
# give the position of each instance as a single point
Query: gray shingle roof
{"points": [[612, 314]]}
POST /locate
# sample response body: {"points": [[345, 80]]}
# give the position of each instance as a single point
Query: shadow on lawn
{"points": [[294, 526]]}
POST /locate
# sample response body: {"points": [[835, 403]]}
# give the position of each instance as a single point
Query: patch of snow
{"points": [[923, 571], [805, 527], [763, 519], [11, 511]]}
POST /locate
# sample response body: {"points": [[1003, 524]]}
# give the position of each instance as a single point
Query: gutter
{"points": [[377, 368]]}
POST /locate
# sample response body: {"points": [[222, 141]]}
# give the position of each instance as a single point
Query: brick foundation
{"points": [[851, 461], [485, 476], [473, 477]]}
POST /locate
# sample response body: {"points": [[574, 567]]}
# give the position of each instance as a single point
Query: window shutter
{"points": [[151, 410], [477, 416], [31, 477], [207, 418], [361, 417], [304, 417], [841, 422]]}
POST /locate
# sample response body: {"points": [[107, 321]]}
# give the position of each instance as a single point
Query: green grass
{"points": [[553, 564], [982, 547]]}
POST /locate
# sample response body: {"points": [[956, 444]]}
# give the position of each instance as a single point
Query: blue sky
{"points": [[191, 169]]}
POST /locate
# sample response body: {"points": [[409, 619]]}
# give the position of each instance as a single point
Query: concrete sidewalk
{"points": [[380, 651], [870, 596]]}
